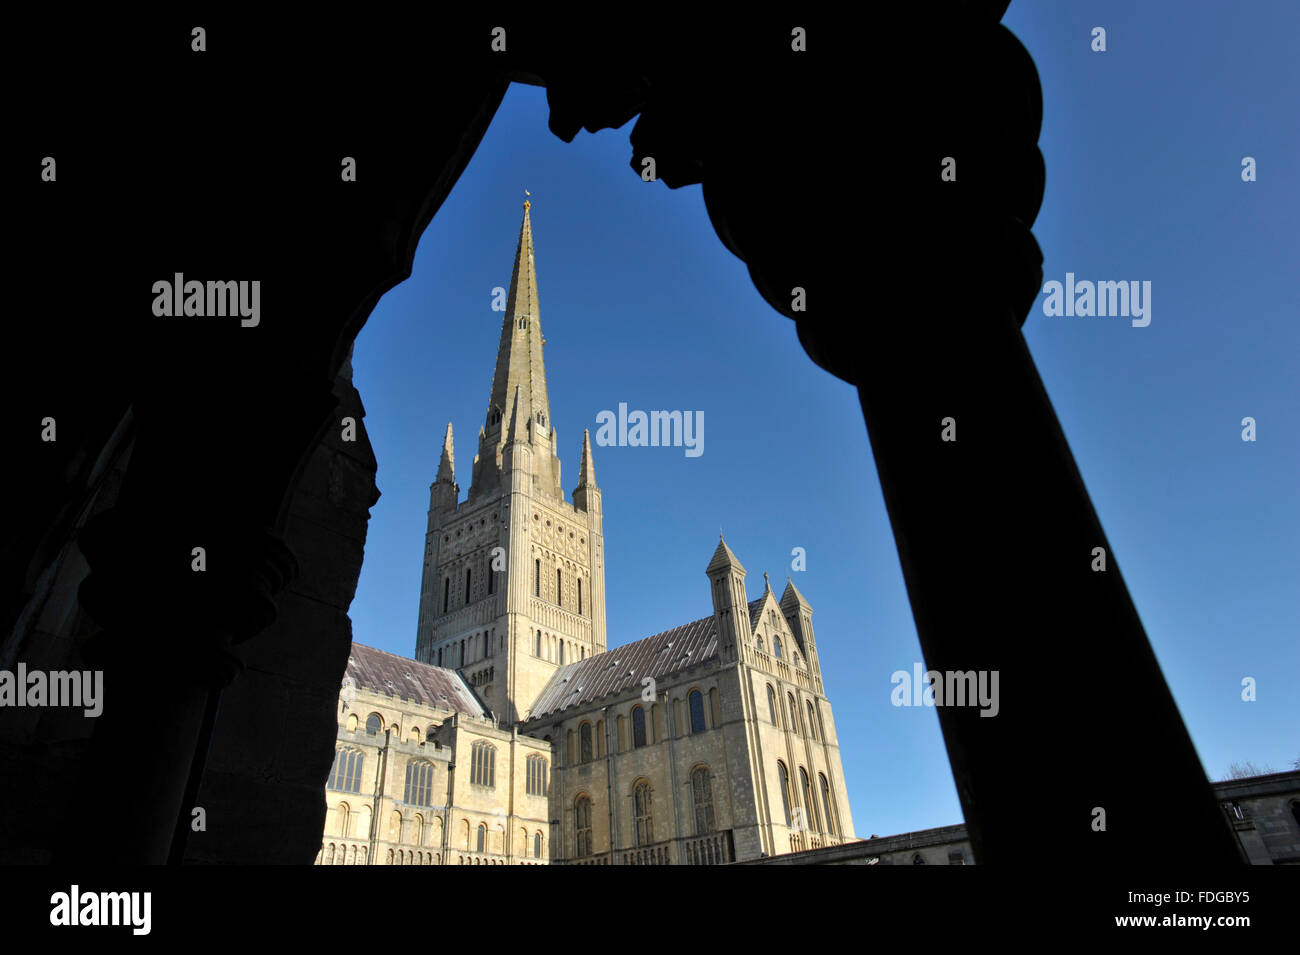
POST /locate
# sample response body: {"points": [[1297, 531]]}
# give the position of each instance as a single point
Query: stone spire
{"points": [[519, 380], [519, 356]]}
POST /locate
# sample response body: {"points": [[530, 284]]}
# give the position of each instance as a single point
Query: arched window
{"points": [[918, 859], [643, 812], [559, 588], [828, 804], [795, 655], [446, 593], [419, 783], [771, 704], [793, 713], [702, 792], [808, 800], [417, 830], [638, 727], [537, 645], [346, 775], [483, 764], [468, 572], [482, 838], [537, 845], [561, 653], [582, 825], [352, 723], [491, 580], [344, 819], [374, 724], [537, 577], [584, 732], [537, 776], [812, 721], [758, 641], [785, 789], [695, 701], [579, 595], [776, 647]]}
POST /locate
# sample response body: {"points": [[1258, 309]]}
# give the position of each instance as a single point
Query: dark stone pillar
{"points": [[995, 534], [165, 652]]}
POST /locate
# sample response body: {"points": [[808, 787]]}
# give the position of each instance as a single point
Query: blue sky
{"points": [[640, 303]]}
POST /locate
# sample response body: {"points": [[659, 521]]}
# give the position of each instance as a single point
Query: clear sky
{"points": [[640, 303]]}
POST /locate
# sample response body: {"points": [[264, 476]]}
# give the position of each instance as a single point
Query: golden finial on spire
{"points": [[526, 202]]}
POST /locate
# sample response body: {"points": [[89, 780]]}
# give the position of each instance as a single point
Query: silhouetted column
{"points": [[996, 536], [165, 652]]}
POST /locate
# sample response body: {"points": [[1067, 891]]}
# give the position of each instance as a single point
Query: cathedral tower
{"points": [[514, 576]]}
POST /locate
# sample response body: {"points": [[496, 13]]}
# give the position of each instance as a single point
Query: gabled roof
{"points": [[384, 672], [659, 656]]}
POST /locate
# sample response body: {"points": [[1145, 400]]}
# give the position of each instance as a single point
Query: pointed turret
{"points": [[730, 608], [444, 492], [447, 466], [792, 600], [798, 615], [586, 496], [723, 559]]}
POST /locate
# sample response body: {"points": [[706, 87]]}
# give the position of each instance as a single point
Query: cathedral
{"points": [[517, 737]]}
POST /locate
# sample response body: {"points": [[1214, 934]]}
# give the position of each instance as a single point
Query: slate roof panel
{"points": [[385, 672], [613, 671]]}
